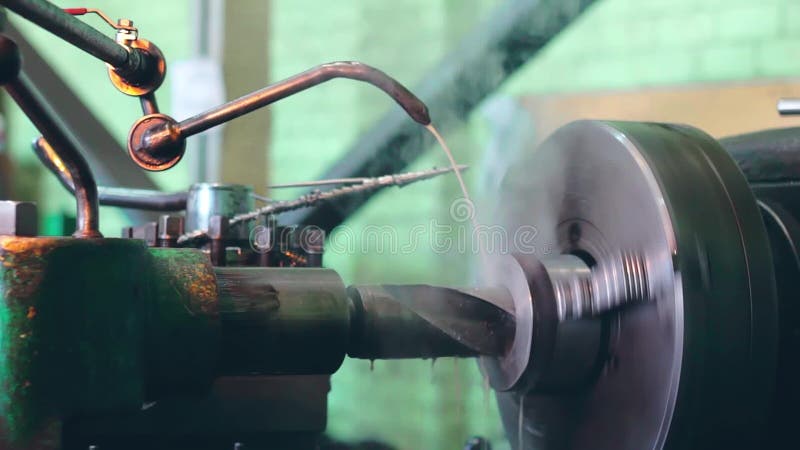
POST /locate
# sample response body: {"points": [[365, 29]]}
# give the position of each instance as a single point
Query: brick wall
{"points": [[624, 44]]}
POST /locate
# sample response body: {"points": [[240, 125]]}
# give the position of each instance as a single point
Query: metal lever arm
{"points": [[157, 142], [133, 65]]}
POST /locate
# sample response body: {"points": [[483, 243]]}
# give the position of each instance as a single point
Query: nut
{"points": [[218, 227], [18, 218], [170, 227]]}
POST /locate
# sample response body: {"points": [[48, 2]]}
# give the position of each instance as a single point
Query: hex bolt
{"points": [[18, 218], [170, 227], [147, 232], [218, 233]]}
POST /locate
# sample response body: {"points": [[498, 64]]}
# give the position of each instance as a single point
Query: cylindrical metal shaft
{"points": [[303, 321], [282, 320]]}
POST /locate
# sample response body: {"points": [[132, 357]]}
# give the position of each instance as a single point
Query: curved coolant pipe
{"points": [[143, 199], [72, 162], [157, 142]]}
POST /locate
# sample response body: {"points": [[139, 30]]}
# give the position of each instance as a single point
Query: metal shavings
{"points": [[199, 237]]}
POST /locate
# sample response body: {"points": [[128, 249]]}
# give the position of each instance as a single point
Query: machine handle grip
{"points": [[76, 11]]}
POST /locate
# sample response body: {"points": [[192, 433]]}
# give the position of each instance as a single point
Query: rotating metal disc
{"points": [[695, 367]]}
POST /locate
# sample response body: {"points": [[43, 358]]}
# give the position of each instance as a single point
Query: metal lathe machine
{"points": [[664, 315]]}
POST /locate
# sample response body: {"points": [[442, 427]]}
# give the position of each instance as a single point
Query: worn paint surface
{"points": [[89, 327], [69, 330], [183, 343]]}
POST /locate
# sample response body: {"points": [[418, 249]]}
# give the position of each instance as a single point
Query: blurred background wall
{"points": [[707, 60]]}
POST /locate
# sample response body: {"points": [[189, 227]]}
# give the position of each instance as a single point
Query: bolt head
{"points": [[217, 227], [18, 218], [147, 232], [170, 226]]}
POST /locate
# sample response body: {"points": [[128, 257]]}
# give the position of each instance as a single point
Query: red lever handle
{"points": [[76, 11]]}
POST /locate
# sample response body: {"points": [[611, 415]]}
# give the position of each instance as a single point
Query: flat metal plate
{"points": [[690, 369]]}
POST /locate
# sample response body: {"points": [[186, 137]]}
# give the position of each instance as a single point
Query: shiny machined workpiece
{"points": [[206, 200], [693, 367]]}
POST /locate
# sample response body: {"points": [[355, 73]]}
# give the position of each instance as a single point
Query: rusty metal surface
{"points": [[183, 341], [70, 332], [89, 327]]}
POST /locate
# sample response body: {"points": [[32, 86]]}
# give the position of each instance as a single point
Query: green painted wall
{"points": [[625, 44]]}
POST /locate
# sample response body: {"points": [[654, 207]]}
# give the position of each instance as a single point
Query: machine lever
{"points": [[157, 142]]}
